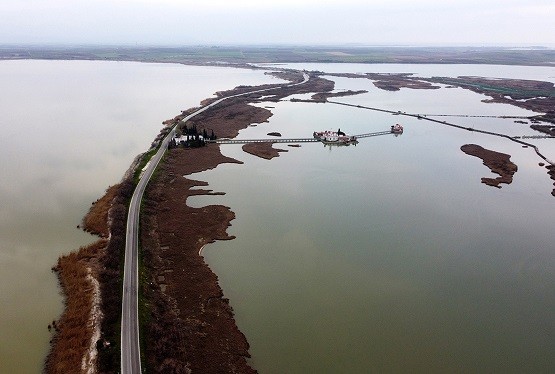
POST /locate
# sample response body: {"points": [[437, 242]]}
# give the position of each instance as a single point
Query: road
{"points": [[130, 349]]}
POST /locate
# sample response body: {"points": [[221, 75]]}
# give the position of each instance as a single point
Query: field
{"points": [[239, 55]]}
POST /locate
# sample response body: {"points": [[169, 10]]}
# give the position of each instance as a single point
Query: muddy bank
{"points": [[551, 173], [498, 163], [546, 129], [322, 97], [78, 330], [73, 343], [187, 324], [389, 81], [96, 220], [85, 336], [192, 325], [263, 150], [226, 121]]}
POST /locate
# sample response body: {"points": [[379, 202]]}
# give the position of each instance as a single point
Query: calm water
{"points": [[69, 130], [387, 256], [390, 256]]}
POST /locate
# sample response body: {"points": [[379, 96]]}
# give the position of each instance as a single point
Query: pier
{"points": [[370, 134], [277, 140], [445, 123], [290, 140]]}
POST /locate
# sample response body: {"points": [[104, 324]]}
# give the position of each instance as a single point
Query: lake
{"points": [[69, 130], [388, 256], [391, 256]]}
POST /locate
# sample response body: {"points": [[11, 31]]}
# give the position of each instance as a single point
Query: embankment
{"points": [[187, 324], [85, 336], [190, 324]]}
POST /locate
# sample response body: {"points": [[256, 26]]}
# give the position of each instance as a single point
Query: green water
{"points": [[390, 256]]}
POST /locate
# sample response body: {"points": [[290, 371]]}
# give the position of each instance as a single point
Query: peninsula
{"points": [[187, 323], [190, 324]]}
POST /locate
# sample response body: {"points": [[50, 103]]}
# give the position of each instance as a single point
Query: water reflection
{"points": [[69, 130], [391, 255]]}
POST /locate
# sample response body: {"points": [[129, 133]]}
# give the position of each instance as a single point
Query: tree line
{"points": [[191, 137]]}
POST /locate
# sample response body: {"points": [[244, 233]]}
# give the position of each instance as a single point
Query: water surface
{"points": [[390, 256], [69, 130]]}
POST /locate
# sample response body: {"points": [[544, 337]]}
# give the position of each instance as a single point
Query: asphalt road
{"points": [[130, 350]]}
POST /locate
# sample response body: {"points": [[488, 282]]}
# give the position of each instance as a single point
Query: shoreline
{"points": [[167, 194], [498, 163], [98, 350], [76, 328], [84, 335], [203, 333], [78, 276]]}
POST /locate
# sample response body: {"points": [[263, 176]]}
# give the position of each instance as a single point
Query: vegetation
{"points": [[145, 158], [191, 137], [74, 331], [77, 271], [96, 221], [164, 351], [77, 274], [110, 281], [244, 55]]}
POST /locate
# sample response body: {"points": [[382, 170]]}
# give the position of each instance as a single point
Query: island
{"points": [[497, 162]]}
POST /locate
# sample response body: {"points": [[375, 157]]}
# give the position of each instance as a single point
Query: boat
{"points": [[334, 137], [397, 129]]}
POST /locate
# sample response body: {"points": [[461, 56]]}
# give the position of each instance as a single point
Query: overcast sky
{"points": [[371, 22]]}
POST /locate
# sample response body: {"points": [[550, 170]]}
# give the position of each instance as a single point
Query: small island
{"points": [[190, 324], [498, 163], [263, 150]]}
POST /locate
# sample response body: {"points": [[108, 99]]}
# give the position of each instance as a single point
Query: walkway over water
{"points": [[277, 140], [445, 123], [370, 134], [289, 140]]}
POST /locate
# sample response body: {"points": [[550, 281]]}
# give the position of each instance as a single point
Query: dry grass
{"points": [[262, 150], [96, 220], [174, 351], [73, 331]]}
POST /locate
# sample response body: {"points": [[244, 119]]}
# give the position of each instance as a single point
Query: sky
{"points": [[271, 22]]}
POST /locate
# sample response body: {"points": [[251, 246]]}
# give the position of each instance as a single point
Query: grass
{"points": [[73, 329], [144, 305], [144, 160], [277, 54], [96, 221]]}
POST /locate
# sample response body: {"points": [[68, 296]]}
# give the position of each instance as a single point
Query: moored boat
{"points": [[397, 129]]}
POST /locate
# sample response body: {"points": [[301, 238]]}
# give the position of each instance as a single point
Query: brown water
{"points": [[69, 130]]}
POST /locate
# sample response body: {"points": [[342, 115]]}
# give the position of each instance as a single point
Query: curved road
{"points": [[130, 350]]}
